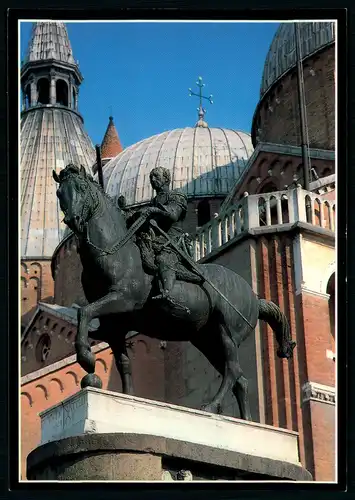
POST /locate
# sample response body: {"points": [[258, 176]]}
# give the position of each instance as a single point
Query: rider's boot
{"points": [[167, 278]]}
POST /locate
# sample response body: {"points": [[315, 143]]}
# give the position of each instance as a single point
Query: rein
{"points": [[117, 246]]}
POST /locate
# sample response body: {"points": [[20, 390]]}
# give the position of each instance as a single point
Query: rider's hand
{"points": [[148, 211]]}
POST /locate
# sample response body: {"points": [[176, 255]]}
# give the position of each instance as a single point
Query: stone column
{"points": [[251, 211], [70, 92], [23, 99], [34, 94], [52, 89]]}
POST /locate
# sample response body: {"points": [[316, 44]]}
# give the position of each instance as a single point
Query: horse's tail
{"points": [[272, 314]]}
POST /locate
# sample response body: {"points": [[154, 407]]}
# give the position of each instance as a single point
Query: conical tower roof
{"points": [[111, 145], [49, 40], [52, 135]]}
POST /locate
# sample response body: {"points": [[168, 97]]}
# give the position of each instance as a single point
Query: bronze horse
{"points": [[119, 293]]}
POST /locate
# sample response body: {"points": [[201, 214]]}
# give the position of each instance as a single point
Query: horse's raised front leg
{"points": [[112, 303]]}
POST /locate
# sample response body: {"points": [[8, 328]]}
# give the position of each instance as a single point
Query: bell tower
{"points": [[52, 135], [50, 76]]}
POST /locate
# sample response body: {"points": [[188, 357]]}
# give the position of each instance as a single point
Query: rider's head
{"points": [[159, 177], [121, 201]]}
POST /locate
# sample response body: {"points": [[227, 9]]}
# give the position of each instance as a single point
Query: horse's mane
{"points": [[72, 170]]}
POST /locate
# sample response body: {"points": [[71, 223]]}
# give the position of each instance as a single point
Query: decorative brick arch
{"points": [[261, 167], [43, 389], [252, 185], [272, 181], [58, 383], [28, 396], [143, 345], [103, 363], [34, 266], [74, 376]]}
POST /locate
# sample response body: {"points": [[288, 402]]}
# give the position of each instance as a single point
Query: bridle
{"points": [[85, 212], [89, 200]]}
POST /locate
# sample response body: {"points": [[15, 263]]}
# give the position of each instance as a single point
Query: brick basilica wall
{"points": [[275, 385], [179, 374], [276, 119], [37, 285]]}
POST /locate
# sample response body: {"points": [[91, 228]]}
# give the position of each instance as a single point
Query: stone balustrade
{"points": [[267, 209]]}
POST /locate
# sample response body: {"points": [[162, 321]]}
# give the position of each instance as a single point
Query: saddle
{"points": [[148, 248]]}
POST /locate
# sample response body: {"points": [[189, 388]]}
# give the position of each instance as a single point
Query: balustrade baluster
{"points": [[268, 211], [279, 210]]}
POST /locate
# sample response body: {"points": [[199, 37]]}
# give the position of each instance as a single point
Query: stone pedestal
{"points": [[101, 435]]}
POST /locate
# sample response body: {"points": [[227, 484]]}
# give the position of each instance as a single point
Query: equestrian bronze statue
{"points": [[138, 275]]}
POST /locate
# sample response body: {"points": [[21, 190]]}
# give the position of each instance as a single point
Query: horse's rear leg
{"points": [[240, 390], [123, 364], [222, 354]]}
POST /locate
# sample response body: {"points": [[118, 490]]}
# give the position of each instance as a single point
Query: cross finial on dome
{"points": [[201, 110]]}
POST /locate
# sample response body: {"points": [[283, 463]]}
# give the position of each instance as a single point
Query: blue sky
{"points": [[141, 73]]}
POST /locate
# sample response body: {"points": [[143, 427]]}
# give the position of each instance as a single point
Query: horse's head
{"points": [[75, 196]]}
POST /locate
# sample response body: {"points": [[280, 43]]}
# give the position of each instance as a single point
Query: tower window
{"points": [[43, 91], [62, 92], [73, 100], [203, 213]]}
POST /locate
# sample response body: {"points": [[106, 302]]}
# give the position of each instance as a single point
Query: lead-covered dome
{"points": [[203, 162], [282, 53]]}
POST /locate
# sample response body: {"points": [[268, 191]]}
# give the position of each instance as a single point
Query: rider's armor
{"points": [[157, 253]]}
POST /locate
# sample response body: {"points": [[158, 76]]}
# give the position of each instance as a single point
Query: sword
{"points": [[197, 271]]}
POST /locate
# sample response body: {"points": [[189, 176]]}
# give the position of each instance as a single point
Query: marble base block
{"points": [[97, 434]]}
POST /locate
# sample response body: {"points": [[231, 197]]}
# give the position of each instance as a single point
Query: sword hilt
{"points": [[153, 222]]}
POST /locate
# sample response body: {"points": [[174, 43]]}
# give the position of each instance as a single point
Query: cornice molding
{"points": [[312, 391], [304, 289]]}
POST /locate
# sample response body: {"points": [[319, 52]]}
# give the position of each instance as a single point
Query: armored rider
{"points": [[168, 208]]}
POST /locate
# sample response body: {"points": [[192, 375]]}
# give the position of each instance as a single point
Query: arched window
{"points": [[43, 91], [203, 213], [62, 92], [43, 348], [331, 292], [268, 187]]}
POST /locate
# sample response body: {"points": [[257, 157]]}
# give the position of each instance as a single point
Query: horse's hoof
{"points": [[86, 360], [212, 408], [91, 380]]}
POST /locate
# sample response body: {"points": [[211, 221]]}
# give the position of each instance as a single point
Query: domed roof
{"points": [[203, 162], [282, 53], [50, 139]]}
